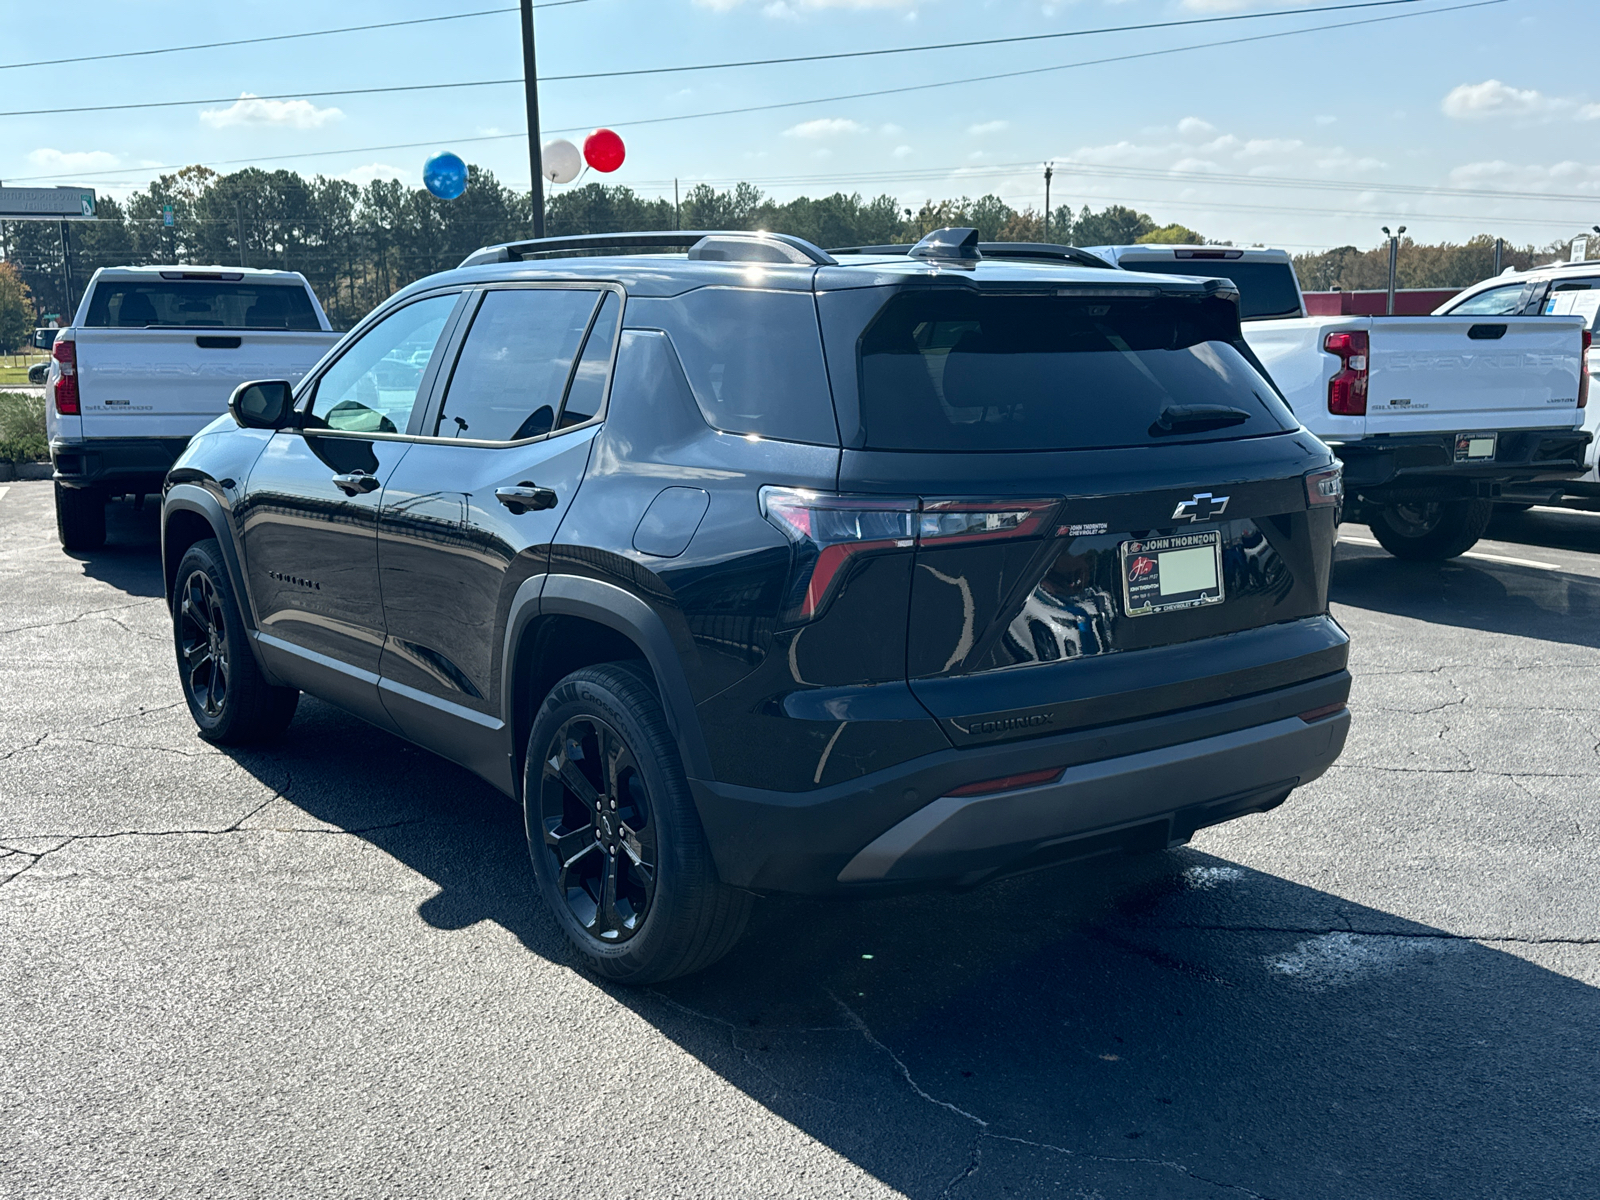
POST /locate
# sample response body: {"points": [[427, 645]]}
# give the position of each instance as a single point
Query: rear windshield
{"points": [[967, 371], [200, 303], [1266, 289]]}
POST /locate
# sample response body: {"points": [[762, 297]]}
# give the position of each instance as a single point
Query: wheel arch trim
{"points": [[618, 609]]}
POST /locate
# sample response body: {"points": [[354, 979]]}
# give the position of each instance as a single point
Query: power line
{"points": [[280, 37], [478, 83]]}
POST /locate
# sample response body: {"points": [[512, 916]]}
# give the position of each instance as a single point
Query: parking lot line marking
{"points": [[1501, 558], [3, 492]]}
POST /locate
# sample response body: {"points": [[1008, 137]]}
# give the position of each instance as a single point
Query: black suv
{"points": [[762, 568]]}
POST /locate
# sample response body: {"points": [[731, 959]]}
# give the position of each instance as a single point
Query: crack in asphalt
{"points": [[984, 1129], [734, 1030], [83, 616]]}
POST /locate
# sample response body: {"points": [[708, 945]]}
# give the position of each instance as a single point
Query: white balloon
{"points": [[562, 162]]}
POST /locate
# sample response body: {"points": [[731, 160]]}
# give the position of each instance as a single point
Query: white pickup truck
{"points": [[1434, 417], [150, 358]]}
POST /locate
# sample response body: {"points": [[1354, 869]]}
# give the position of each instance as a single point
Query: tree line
{"points": [[358, 245]]}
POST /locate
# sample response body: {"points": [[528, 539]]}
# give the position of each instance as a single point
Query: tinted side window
{"points": [[373, 386], [1496, 302], [754, 361], [515, 362], [594, 365]]}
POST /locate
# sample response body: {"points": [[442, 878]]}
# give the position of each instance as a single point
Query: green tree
{"points": [[16, 310], [1171, 235]]}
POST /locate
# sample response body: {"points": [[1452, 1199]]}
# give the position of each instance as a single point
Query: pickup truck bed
{"points": [[1434, 417]]}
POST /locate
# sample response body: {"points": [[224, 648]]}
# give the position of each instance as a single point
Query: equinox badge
{"points": [[1203, 507]]}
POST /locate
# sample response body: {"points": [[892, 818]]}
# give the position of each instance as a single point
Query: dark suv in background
{"points": [[761, 568]]}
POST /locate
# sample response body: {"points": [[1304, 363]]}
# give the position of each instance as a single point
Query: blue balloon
{"points": [[445, 175]]}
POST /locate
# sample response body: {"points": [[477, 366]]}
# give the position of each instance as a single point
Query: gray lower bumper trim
{"points": [[974, 831]]}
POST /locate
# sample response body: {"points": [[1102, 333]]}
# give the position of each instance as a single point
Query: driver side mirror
{"points": [[263, 404]]}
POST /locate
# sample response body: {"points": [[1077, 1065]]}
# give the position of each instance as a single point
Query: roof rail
{"points": [[1028, 251], [735, 245]]}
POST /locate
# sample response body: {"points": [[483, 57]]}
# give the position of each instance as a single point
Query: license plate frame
{"points": [[1142, 564], [1477, 447]]}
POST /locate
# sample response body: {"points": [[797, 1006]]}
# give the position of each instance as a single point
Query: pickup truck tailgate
{"points": [[1499, 373], [172, 382]]}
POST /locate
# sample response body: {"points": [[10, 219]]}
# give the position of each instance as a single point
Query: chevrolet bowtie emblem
{"points": [[1203, 507]]}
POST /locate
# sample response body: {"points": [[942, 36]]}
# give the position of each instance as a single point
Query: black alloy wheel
{"points": [[203, 644], [230, 700], [595, 811], [618, 852]]}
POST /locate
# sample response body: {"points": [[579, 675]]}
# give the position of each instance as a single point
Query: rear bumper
{"points": [[1134, 785], [1410, 467], [114, 465]]}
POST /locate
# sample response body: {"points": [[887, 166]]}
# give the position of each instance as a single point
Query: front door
{"points": [[469, 516], [310, 509]]}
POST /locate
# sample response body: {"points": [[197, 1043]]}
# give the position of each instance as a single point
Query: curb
{"points": [[11, 472]]}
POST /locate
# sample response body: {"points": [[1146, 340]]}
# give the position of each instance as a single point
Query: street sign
{"points": [[166, 214], [46, 204]]}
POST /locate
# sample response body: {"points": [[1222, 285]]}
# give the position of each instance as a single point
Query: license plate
{"points": [[1167, 573], [1475, 447]]}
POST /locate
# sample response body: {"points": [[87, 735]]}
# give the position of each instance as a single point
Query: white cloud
{"points": [[252, 110], [792, 8], [984, 127], [365, 175], [902, 151], [1491, 98], [1326, 120], [824, 127], [1589, 112], [1568, 176], [66, 161], [1195, 127], [890, 130]]}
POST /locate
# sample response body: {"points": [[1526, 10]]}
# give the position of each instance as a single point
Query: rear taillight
{"points": [[1583, 370], [65, 352], [828, 529], [1347, 390], [1325, 487]]}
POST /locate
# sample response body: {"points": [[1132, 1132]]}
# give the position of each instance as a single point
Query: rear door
{"points": [[309, 512], [1477, 372], [470, 514], [159, 357]]}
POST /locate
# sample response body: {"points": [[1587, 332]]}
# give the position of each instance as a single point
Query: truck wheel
{"points": [[228, 698], [617, 847], [80, 518], [1432, 532]]}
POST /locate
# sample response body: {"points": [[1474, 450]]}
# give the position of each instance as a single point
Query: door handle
{"points": [[356, 483], [525, 496]]}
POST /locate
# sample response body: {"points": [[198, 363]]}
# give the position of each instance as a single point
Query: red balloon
{"points": [[603, 150]]}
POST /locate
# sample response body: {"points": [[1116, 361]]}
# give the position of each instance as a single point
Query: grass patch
{"points": [[13, 375], [22, 437]]}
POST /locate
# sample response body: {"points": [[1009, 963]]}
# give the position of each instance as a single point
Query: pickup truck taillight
{"points": [[65, 352], [1583, 370], [1347, 390]]}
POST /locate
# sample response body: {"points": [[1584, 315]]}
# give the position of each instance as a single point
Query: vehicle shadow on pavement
{"points": [[1173, 1025], [1579, 531], [130, 561], [1553, 606]]}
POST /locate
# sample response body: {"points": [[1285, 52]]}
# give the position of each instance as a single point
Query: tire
{"points": [[1432, 532], [230, 701], [80, 518], [609, 814]]}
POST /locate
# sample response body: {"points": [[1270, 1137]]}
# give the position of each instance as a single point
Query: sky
{"points": [[1304, 141]]}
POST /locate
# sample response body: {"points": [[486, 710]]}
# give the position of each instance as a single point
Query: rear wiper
{"points": [[1190, 418]]}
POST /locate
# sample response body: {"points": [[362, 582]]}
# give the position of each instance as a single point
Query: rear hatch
{"points": [[158, 357], [1112, 509]]}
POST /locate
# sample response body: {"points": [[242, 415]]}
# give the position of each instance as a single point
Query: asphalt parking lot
{"points": [[320, 969]]}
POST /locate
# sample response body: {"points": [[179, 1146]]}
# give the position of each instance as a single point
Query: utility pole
{"points": [[530, 85], [66, 275], [677, 212], [238, 209], [1048, 171], [1394, 262], [1499, 249]]}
